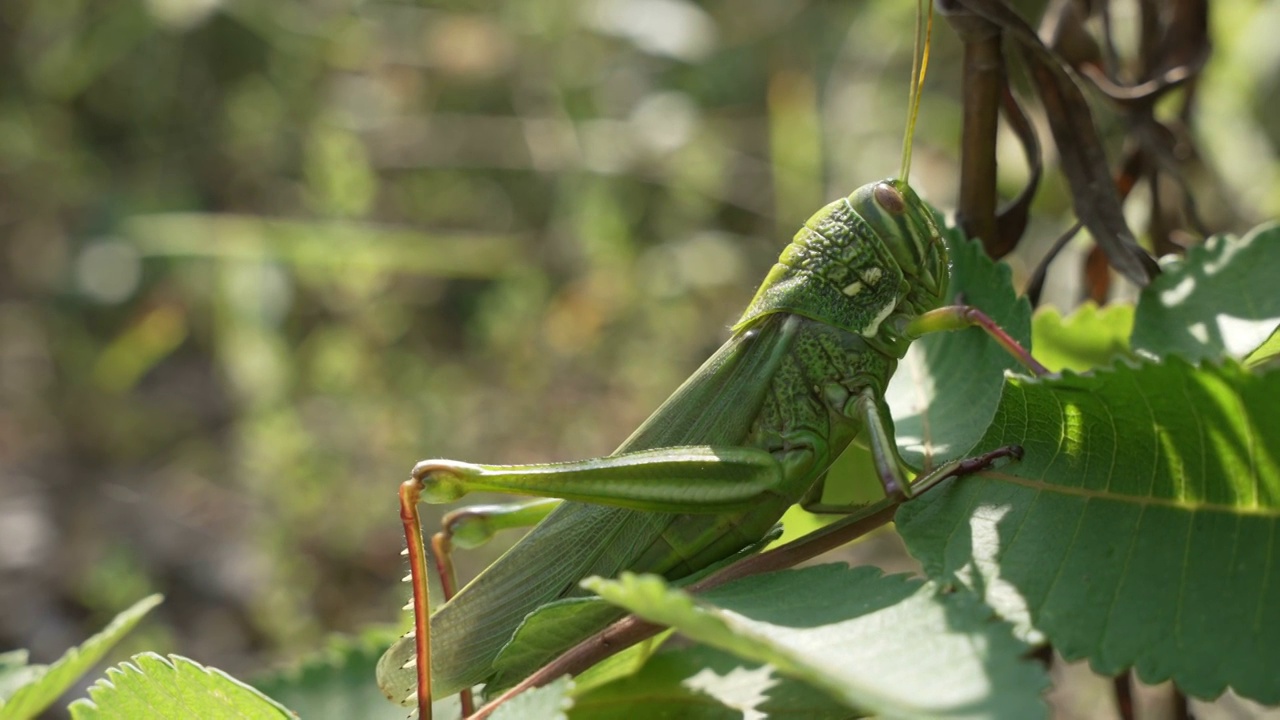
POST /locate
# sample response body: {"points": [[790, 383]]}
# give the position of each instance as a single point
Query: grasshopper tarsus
{"points": [[987, 460]]}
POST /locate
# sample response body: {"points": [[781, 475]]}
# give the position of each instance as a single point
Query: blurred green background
{"points": [[257, 257]]}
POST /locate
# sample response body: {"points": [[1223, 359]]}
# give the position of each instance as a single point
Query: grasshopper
{"points": [[752, 432]]}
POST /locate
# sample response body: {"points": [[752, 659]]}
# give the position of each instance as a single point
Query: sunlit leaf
{"points": [[890, 645], [1140, 529], [1265, 355], [947, 387], [1088, 337], [702, 683], [16, 673], [1220, 300], [45, 685], [151, 686], [549, 702]]}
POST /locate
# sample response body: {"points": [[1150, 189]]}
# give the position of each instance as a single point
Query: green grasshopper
{"points": [[752, 432], [710, 473]]}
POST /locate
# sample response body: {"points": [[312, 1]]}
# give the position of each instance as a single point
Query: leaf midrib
{"points": [[1190, 506]]}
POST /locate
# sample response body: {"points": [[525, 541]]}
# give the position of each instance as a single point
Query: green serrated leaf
{"points": [[549, 702], [1219, 301], [889, 645], [338, 682], [45, 687], [1089, 337], [702, 683], [946, 389], [1140, 529], [153, 687]]}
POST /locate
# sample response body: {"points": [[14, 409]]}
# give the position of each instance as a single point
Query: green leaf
{"points": [[1087, 338], [338, 682], [889, 645], [544, 634], [153, 687], [46, 685], [1264, 356], [555, 627], [1219, 300], [702, 683], [622, 664], [1140, 529], [946, 389], [15, 673], [549, 702]]}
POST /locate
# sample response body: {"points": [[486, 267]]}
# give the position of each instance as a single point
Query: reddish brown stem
{"points": [[631, 629]]}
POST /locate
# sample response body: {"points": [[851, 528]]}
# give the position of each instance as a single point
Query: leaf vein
{"points": [[1266, 578], [1182, 588], [1155, 426], [1124, 573], [1134, 499], [1057, 575]]}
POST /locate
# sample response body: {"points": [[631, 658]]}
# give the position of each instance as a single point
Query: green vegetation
{"points": [[259, 257]]}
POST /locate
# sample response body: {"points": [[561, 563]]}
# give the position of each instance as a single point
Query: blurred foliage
{"points": [[257, 257]]}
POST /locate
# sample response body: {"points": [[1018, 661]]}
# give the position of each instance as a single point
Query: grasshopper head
{"points": [[858, 262], [904, 223]]}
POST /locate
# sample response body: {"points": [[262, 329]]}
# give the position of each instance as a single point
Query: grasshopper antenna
{"points": [[919, 65]]}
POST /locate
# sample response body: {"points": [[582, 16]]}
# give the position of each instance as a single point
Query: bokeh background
{"points": [[257, 257]]}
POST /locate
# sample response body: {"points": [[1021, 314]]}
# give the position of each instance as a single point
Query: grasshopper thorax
{"points": [[859, 261]]}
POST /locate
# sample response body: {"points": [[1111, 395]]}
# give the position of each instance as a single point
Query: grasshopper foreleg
{"points": [[891, 469], [958, 317], [965, 466], [873, 411]]}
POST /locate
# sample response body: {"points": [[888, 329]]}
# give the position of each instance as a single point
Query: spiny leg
{"points": [[410, 491], [884, 449], [470, 527], [681, 479], [965, 466], [475, 525], [958, 317]]}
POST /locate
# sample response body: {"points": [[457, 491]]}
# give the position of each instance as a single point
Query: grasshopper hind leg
{"points": [[467, 527], [472, 526]]}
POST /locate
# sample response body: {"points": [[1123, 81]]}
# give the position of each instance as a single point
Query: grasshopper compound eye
{"points": [[888, 197]]}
